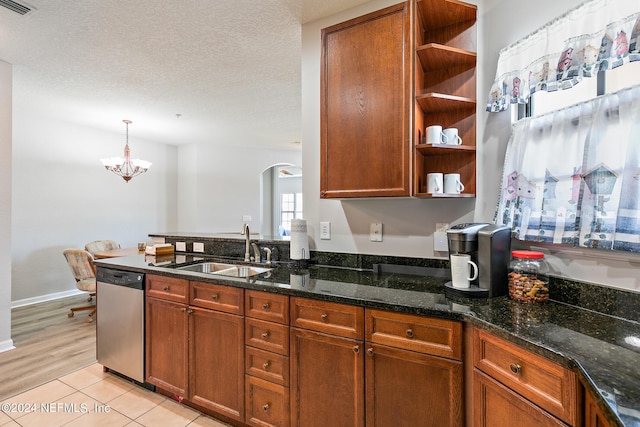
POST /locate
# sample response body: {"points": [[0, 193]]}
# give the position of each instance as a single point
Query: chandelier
{"points": [[126, 168]]}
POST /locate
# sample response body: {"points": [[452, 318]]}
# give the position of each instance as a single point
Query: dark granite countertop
{"points": [[603, 349]]}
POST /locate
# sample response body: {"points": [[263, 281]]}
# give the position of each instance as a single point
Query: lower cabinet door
{"points": [[166, 331], [327, 380], [216, 361], [410, 389], [267, 403], [495, 405]]}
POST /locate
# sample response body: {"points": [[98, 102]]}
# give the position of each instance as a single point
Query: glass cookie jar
{"points": [[528, 277]]}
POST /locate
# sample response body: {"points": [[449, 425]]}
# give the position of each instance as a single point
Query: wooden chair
{"points": [[81, 265], [101, 245]]}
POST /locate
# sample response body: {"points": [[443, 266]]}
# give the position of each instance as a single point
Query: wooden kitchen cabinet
{"points": [[408, 382], [365, 106], [166, 352], [216, 361], [510, 382], [496, 405], [267, 359], [445, 91], [327, 380], [194, 352], [593, 415], [327, 364]]}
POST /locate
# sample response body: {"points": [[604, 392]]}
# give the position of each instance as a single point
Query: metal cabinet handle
{"points": [[409, 333], [370, 351], [189, 311], [325, 318], [265, 407], [214, 297], [265, 335], [183, 310], [356, 349], [515, 368], [166, 289], [266, 365], [265, 305]]}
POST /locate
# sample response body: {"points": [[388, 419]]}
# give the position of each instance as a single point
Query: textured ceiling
{"points": [[230, 68]]}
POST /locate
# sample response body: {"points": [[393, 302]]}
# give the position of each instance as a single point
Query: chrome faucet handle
{"points": [[268, 252], [256, 253]]}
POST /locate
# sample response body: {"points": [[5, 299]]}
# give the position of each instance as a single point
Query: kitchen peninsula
{"points": [[564, 364]]}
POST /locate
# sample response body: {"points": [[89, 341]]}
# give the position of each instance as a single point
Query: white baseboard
{"points": [[6, 345], [43, 298]]}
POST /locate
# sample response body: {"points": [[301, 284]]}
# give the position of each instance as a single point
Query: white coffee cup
{"points": [[451, 136], [434, 183], [452, 183], [435, 135], [461, 266]]}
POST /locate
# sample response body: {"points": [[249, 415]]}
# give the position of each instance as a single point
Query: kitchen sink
{"points": [[225, 269]]}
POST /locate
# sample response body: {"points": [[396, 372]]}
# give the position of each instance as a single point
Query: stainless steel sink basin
{"points": [[225, 269]]}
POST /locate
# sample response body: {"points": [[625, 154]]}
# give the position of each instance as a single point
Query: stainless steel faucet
{"points": [[247, 238], [256, 253]]}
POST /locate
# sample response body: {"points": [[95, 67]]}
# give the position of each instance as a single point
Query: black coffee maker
{"points": [[489, 246]]}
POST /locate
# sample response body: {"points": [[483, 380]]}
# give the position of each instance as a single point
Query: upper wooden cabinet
{"points": [[445, 91], [365, 108]]}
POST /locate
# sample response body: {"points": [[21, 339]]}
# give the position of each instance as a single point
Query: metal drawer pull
{"points": [[265, 305], [515, 368], [265, 365], [409, 333], [166, 289], [370, 351], [325, 318], [265, 407], [184, 310], [265, 335], [215, 297], [356, 349]]}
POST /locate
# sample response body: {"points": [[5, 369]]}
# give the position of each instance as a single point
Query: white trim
{"points": [[6, 345], [43, 298]]}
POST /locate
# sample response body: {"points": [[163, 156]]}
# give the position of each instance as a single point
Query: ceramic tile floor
{"points": [[91, 397]]}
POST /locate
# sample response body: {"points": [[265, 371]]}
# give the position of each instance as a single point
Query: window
{"points": [[290, 208]]}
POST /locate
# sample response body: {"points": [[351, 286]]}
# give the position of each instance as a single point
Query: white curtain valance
{"points": [[597, 35]]}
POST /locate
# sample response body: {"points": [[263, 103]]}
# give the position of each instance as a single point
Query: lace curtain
{"points": [[597, 35], [572, 176]]}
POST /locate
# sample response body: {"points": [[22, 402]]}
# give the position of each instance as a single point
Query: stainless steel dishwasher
{"points": [[120, 322]]}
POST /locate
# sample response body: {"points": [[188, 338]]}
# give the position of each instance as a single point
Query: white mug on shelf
{"points": [[434, 183], [452, 183], [452, 137], [434, 135], [461, 275]]}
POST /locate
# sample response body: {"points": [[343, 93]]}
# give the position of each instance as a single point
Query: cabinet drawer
{"points": [[167, 288], [438, 337], [266, 306], [332, 318], [267, 336], [217, 297], [267, 365], [267, 403], [545, 383]]}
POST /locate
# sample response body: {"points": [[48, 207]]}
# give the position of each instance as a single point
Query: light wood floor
{"points": [[48, 344]]}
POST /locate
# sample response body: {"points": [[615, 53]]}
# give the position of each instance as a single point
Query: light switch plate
{"points": [[181, 246], [375, 232], [198, 247], [246, 218], [325, 230]]}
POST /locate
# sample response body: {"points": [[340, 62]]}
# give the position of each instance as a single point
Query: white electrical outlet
{"points": [[198, 247], [325, 230], [440, 243], [246, 218], [375, 231], [181, 246]]}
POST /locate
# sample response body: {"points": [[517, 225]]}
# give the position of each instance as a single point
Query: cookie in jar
{"points": [[528, 277]]}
